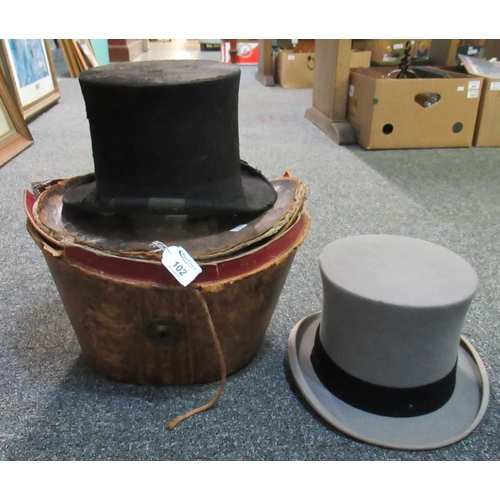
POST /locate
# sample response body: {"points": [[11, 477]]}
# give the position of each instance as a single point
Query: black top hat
{"points": [[165, 141]]}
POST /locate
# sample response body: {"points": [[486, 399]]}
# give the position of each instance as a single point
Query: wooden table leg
{"points": [[265, 69], [331, 82], [233, 50]]}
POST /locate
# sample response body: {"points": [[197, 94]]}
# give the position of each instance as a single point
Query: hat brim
{"points": [[451, 423], [257, 196]]}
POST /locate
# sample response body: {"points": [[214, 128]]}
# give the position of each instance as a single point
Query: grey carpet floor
{"points": [[54, 407]]}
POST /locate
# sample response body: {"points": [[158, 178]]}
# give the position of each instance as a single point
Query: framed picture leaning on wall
{"points": [[29, 69], [14, 133], [88, 54]]}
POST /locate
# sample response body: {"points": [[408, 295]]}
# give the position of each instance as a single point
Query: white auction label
{"points": [[182, 266], [238, 228]]}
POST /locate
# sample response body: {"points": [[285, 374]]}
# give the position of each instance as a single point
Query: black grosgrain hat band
{"points": [[377, 399]]}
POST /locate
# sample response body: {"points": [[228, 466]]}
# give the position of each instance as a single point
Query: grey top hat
{"points": [[384, 361]]}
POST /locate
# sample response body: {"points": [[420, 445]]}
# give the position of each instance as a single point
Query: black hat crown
{"points": [[165, 140]]}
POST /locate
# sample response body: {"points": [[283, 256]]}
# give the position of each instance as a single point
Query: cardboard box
{"points": [[387, 51], [487, 132], [248, 52], [295, 71], [392, 113], [360, 59]]}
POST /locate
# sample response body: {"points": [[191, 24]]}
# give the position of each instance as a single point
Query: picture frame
{"points": [[80, 60], [69, 57], [88, 53], [79, 55], [15, 136], [30, 73]]}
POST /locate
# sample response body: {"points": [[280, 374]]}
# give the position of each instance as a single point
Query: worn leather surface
{"points": [[205, 238], [135, 325], [139, 332]]}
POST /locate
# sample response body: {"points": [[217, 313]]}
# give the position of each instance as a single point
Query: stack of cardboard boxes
{"points": [[431, 108]]}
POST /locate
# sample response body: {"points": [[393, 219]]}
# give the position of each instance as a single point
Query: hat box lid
{"points": [[131, 236]]}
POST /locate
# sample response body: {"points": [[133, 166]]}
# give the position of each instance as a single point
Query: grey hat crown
{"points": [[393, 308]]}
